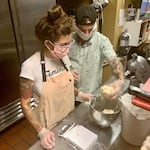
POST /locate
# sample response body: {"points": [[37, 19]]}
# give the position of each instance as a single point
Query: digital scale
{"points": [[79, 136]]}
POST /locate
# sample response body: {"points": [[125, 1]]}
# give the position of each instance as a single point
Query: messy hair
{"points": [[54, 25]]}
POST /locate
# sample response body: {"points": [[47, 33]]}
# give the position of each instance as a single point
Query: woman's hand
{"points": [[85, 96], [47, 138]]}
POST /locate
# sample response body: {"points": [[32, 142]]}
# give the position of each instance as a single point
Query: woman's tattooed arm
{"points": [[26, 89]]}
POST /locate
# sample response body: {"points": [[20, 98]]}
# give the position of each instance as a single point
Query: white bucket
{"points": [[134, 130]]}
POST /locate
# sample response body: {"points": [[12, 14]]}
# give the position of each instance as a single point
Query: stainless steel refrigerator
{"points": [[17, 42]]}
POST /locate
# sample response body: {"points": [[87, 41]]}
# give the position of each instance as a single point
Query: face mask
{"points": [[83, 35], [51, 51], [59, 51]]}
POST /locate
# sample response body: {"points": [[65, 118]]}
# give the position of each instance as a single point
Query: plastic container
{"points": [[135, 127]]}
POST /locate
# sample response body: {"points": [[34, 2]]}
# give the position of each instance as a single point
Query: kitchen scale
{"points": [[79, 136]]}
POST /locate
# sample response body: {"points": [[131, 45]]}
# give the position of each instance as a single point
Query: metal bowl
{"points": [[104, 111]]}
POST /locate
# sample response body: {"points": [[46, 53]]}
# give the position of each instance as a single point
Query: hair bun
{"points": [[55, 13]]}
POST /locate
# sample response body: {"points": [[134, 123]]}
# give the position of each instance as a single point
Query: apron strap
{"points": [[64, 65], [43, 65]]}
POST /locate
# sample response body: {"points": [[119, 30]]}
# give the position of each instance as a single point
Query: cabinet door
{"points": [[9, 61]]}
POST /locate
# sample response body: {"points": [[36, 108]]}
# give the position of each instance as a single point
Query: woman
{"points": [[47, 74]]}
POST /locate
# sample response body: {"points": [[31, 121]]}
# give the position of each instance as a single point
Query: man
{"points": [[88, 53]]}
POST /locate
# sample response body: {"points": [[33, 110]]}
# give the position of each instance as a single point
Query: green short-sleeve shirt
{"points": [[88, 60]]}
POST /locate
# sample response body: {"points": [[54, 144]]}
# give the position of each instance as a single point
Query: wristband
{"points": [[42, 132], [80, 93]]}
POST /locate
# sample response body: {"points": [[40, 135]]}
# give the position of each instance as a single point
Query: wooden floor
{"points": [[19, 136]]}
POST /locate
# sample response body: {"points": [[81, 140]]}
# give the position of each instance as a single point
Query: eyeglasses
{"points": [[63, 45]]}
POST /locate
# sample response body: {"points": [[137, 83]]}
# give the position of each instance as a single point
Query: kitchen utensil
{"points": [[133, 90], [135, 122], [104, 111]]}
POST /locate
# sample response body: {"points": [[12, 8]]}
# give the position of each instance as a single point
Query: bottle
{"points": [[124, 43]]}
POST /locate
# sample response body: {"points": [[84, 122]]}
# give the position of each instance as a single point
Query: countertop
{"points": [[109, 138]]}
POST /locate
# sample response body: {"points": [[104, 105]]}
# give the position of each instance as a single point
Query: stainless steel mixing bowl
{"points": [[104, 111]]}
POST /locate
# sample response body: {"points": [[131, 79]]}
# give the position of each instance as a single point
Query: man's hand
{"points": [[117, 87], [47, 138]]}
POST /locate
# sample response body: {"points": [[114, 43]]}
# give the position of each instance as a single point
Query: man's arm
{"points": [[118, 84], [117, 69], [26, 88]]}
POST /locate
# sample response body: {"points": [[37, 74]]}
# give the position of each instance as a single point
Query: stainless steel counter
{"points": [[81, 115], [110, 137]]}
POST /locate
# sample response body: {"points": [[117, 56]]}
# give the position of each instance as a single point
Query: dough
{"points": [[106, 90], [108, 111]]}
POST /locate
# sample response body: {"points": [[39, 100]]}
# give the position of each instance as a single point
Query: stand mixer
{"points": [[138, 70]]}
